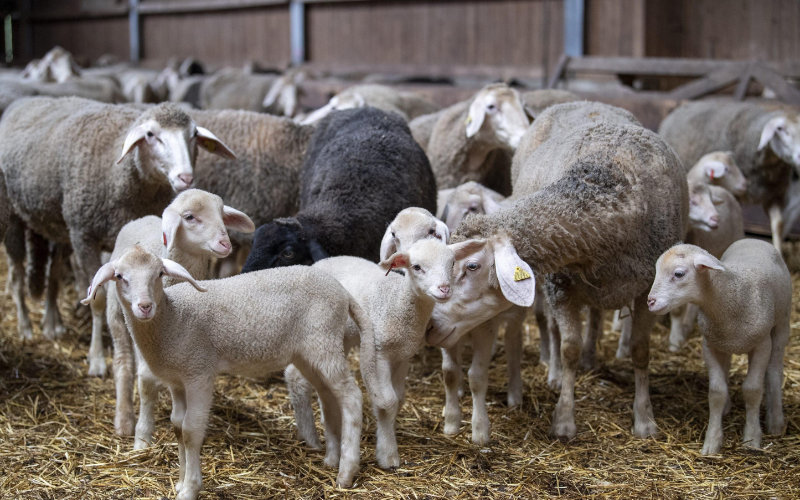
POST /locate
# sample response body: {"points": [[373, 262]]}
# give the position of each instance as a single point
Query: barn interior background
{"points": [[56, 429]]}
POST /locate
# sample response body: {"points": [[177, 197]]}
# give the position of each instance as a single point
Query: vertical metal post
{"points": [[135, 31], [573, 27], [297, 23]]}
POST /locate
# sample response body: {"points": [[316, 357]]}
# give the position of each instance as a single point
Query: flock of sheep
{"points": [[545, 203]]}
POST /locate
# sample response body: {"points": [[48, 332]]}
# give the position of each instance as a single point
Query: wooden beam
{"points": [[783, 89], [167, 7], [712, 82], [558, 73], [744, 82]]}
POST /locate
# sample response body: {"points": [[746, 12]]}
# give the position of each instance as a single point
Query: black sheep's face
{"points": [[278, 245]]}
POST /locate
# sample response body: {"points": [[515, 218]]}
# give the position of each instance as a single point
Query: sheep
{"points": [[57, 65], [718, 168], [232, 88], [399, 308], [592, 209], [410, 225], [409, 105], [247, 325], [454, 204], [745, 301], [765, 144], [361, 169], [192, 232], [472, 140], [66, 182]]}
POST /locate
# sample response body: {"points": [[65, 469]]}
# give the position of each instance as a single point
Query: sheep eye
{"points": [[393, 236], [160, 274], [473, 266], [287, 254], [416, 267], [431, 231], [473, 209], [491, 107], [679, 274], [117, 276], [149, 133], [188, 217]]}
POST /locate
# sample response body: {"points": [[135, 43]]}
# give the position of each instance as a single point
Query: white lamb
{"points": [[192, 232], [745, 301], [251, 324]]}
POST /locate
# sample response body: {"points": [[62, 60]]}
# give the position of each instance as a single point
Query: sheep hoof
{"points": [[140, 444], [710, 448], [390, 461], [25, 332], [97, 367], [124, 425], [645, 430]]}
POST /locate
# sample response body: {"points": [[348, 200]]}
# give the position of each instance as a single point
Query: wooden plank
{"points": [[168, 7], [656, 66], [744, 82], [712, 82], [558, 73]]}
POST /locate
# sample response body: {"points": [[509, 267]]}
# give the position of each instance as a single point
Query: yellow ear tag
{"points": [[521, 274], [468, 120]]}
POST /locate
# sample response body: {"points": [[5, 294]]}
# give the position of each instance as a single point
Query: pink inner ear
{"points": [[399, 261], [165, 238]]}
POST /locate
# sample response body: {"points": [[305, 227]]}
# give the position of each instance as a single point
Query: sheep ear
{"points": [[177, 271], [769, 131], [236, 220], [714, 169], [477, 112], [133, 139], [514, 274], [704, 261], [318, 114], [397, 259], [490, 206], [170, 221], [388, 246], [466, 248], [442, 231], [274, 91], [105, 273], [317, 252], [210, 142]]}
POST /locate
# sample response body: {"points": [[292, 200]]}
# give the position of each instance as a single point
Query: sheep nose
{"points": [[651, 302], [713, 221], [145, 307], [225, 243], [186, 178], [445, 289]]}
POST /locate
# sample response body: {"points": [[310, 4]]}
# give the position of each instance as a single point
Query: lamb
{"points": [[232, 88], [765, 144], [745, 301], [472, 140], [75, 142], [410, 225], [593, 208], [454, 204], [361, 169], [191, 232], [399, 308], [246, 325], [409, 105], [718, 168]]}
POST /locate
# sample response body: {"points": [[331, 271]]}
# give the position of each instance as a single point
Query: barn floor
{"points": [[57, 439]]}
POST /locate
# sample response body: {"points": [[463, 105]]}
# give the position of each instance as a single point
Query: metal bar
{"points": [[134, 31], [573, 27], [297, 33]]}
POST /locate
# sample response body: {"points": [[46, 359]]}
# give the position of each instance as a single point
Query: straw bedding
{"points": [[57, 439]]}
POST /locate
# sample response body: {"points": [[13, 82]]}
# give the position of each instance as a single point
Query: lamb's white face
{"points": [[676, 278], [138, 281], [703, 214], [499, 112], [430, 268], [409, 226]]}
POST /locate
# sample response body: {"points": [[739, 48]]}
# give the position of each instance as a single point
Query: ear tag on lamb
{"points": [[468, 120], [521, 274], [165, 238]]}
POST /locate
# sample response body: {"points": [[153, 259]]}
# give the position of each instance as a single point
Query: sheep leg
{"points": [[594, 329], [15, 249], [569, 324], [88, 261], [690, 318], [300, 396], [554, 369], [775, 213], [513, 344], [753, 391], [148, 397], [451, 368], [482, 339], [540, 312], [385, 415], [644, 424], [123, 364], [178, 395], [626, 326], [774, 382], [717, 363], [193, 430], [52, 325]]}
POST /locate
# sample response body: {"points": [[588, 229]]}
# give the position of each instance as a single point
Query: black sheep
{"points": [[362, 167]]}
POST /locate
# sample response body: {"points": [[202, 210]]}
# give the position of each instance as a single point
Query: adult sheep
{"points": [[592, 210], [362, 168], [67, 181], [765, 144]]}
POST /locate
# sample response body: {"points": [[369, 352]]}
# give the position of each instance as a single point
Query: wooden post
{"points": [[134, 31]]}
